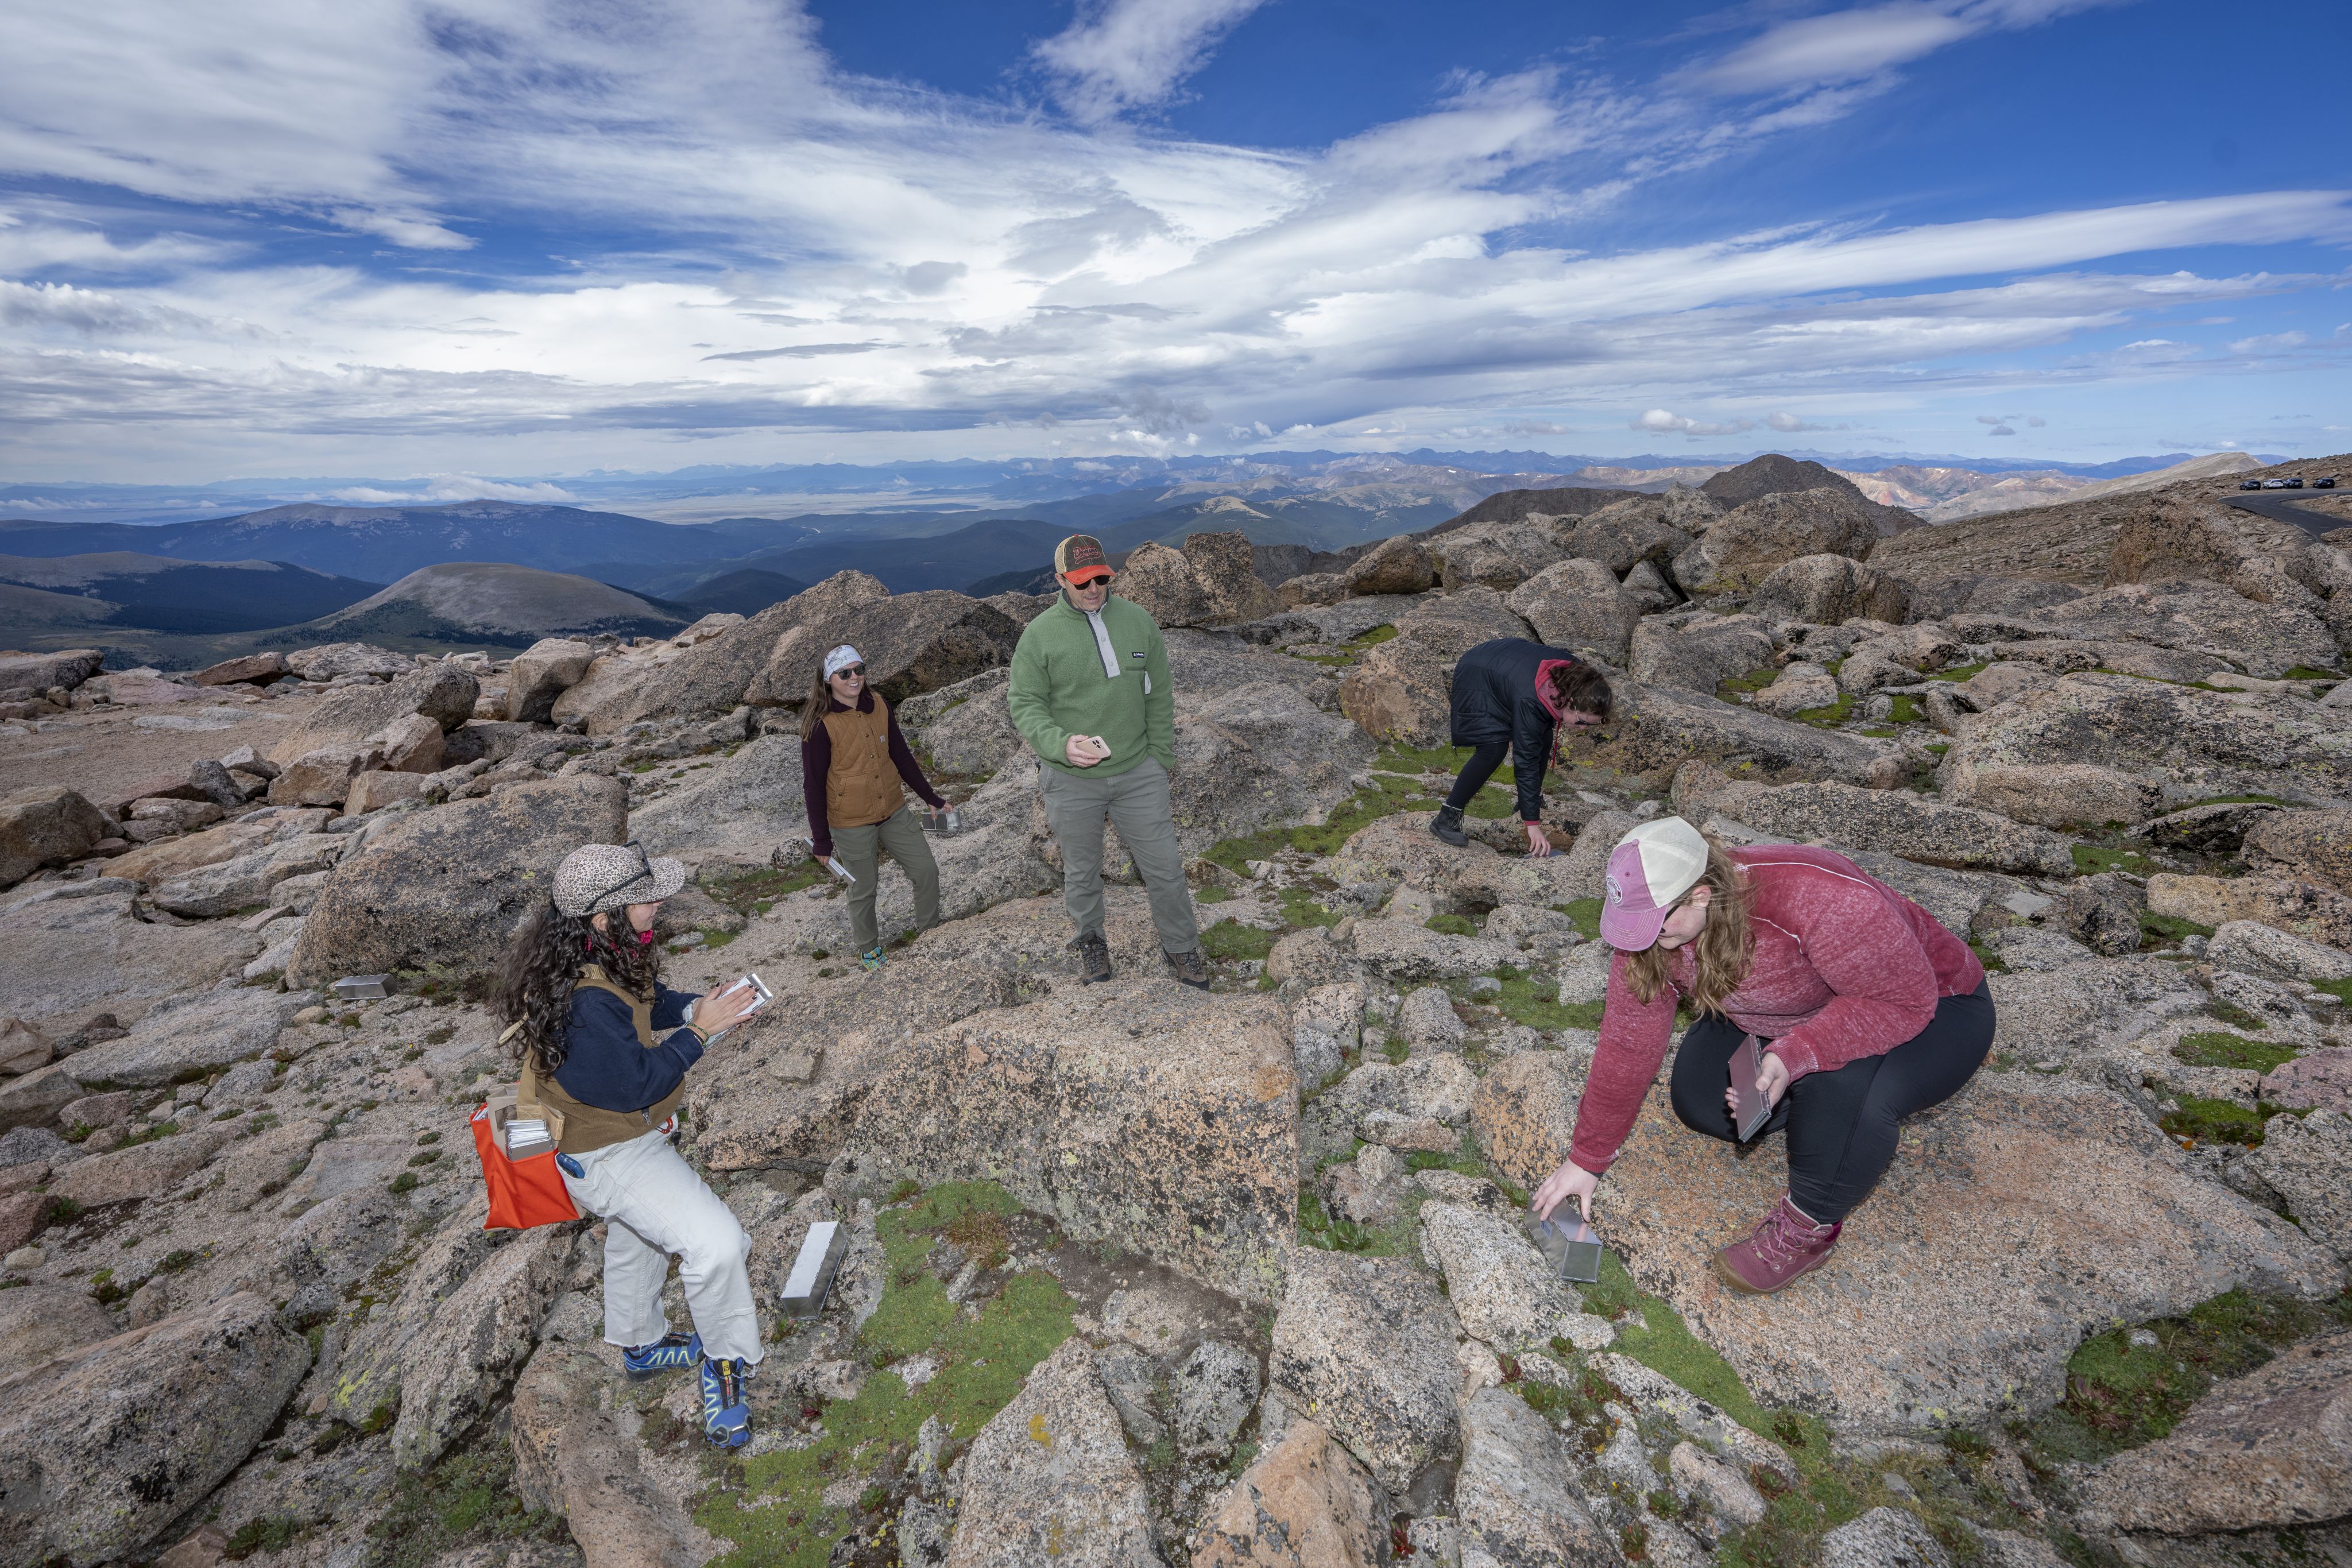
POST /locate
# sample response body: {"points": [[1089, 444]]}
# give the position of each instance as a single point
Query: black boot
{"points": [[1448, 825]]}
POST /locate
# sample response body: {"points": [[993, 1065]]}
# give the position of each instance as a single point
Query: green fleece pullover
{"points": [[1060, 688]]}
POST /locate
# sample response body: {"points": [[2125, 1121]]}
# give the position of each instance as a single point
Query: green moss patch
{"points": [[1536, 1003], [1388, 793], [1586, 913], [1908, 709], [1301, 908], [1754, 681], [2121, 1393], [1452, 925], [777, 1519], [2164, 929], [754, 890], [1318, 1227], [2217, 1048], [2090, 859], [467, 1498], [1835, 713], [2214, 1122], [1212, 895], [1959, 671], [1662, 1341], [2309, 673], [1228, 940]]}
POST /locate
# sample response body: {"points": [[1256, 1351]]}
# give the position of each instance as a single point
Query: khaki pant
{"points": [[653, 1206], [1136, 802], [861, 850]]}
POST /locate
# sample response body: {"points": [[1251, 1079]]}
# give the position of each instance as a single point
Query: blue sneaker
{"points": [[871, 959], [666, 1353], [726, 1405]]}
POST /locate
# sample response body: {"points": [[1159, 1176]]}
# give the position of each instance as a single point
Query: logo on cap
{"points": [[1616, 894]]}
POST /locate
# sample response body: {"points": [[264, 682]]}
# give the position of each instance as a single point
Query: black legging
{"points": [[1842, 1126], [1476, 771]]}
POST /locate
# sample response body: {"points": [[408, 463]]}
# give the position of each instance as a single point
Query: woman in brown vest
{"points": [[582, 989], [855, 770]]}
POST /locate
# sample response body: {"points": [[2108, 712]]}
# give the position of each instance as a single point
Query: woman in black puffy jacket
{"points": [[1513, 697]]}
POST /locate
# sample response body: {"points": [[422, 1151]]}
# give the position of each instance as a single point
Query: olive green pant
{"points": [[1137, 802], [861, 850]]}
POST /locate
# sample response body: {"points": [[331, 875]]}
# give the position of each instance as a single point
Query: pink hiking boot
{"points": [[1784, 1246]]}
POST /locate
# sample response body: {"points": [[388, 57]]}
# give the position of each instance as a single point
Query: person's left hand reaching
{"points": [[1538, 845]]}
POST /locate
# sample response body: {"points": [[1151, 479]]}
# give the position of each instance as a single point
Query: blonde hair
{"points": [[1723, 950]]}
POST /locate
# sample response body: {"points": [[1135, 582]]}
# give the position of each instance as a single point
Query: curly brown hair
{"points": [[542, 964]]}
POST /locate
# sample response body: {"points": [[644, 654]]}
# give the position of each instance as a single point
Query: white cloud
{"points": [[2035, 421], [1867, 41], [820, 263], [441, 487], [2269, 343], [1119, 55], [1793, 424], [1666, 422]]}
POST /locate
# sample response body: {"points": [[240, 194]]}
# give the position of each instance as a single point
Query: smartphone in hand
{"points": [[1747, 1066]]}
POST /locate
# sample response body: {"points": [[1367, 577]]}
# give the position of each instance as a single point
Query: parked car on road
{"points": [[2324, 481], [2250, 484], [2282, 484]]}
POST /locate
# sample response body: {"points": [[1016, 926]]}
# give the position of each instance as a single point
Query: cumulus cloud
{"points": [[1119, 55], [1792, 425], [1663, 421]]}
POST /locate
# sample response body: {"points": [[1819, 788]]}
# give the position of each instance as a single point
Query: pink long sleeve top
{"points": [[1845, 968]]}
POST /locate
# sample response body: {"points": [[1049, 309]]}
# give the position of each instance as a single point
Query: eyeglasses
{"points": [[644, 869]]}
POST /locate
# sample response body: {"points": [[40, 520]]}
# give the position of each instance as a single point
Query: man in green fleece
{"points": [[1092, 696]]}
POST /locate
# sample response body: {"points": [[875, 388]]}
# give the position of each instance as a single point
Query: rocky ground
{"points": [[1141, 1275]]}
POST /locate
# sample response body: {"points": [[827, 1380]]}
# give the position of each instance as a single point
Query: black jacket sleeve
{"points": [[1531, 734], [910, 772], [605, 1067], [816, 761]]}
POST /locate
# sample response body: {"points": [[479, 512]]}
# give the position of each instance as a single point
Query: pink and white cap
{"points": [[1651, 868]]}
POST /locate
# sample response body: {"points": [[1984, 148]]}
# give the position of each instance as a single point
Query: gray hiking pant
{"points": [[1136, 802], [860, 849]]}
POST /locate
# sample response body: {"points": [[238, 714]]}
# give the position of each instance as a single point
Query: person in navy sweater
{"points": [[604, 1048]]}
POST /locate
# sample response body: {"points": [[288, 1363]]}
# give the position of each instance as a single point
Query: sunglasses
{"points": [[1090, 582], [858, 670], [645, 870]]}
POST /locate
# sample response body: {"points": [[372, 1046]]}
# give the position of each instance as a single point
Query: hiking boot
{"points": [[726, 1403], [667, 1354], [1094, 958], [1191, 969], [1448, 825], [1784, 1246], [871, 959]]}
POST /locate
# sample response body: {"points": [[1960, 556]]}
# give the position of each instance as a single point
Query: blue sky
{"points": [[519, 239]]}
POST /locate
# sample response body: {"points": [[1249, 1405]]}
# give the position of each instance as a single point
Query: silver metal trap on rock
{"points": [[813, 1269], [360, 988], [1570, 1246]]}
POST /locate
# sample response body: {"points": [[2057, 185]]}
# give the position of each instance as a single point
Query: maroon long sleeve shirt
{"points": [[1845, 967], [816, 761]]}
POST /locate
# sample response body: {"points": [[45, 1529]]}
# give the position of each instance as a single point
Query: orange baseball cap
{"points": [[1080, 556]]}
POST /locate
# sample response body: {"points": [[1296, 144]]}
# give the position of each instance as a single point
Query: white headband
{"points": [[840, 658]]}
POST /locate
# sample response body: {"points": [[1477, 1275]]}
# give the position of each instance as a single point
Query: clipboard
{"points": [[1747, 1063]]}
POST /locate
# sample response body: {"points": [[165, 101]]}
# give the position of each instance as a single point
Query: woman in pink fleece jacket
{"points": [[1867, 1009]]}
